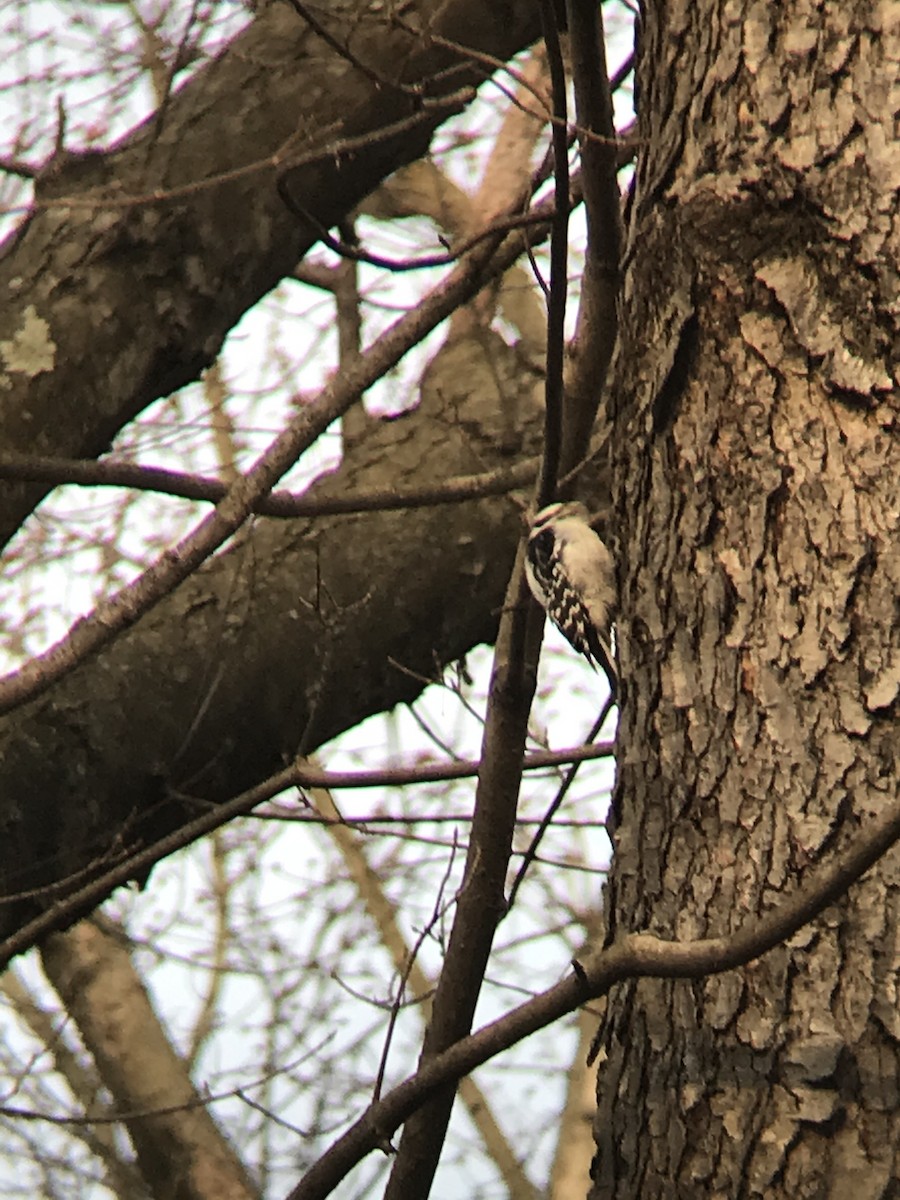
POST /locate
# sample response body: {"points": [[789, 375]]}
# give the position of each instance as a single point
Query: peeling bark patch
{"points": [[30, 350], [883, 691], [817, 325], [766, 336]]}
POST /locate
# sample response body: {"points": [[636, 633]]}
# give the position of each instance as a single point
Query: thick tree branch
{"points": [[116, 302], [122, 610], [294, 634], [82, 1080], [181, 1153]]}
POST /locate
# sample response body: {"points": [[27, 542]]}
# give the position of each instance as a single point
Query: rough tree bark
{"points": [[757, 483]]}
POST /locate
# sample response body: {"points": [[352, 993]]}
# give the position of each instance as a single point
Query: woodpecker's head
{"points": [[560, 510]]}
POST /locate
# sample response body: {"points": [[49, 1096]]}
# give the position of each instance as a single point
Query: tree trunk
{"points": [[758, 489]]}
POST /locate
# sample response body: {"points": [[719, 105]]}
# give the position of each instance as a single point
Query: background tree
{"points": [[748, 409]]}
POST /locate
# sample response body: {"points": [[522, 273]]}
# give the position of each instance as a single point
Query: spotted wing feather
{"points": [[552, 585]]}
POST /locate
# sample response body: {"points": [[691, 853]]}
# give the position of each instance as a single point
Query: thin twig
{"points": [[637, 955], [345, 53], [133, 864], [439, 911], [286, 157], [347, 250], [531, 853]]}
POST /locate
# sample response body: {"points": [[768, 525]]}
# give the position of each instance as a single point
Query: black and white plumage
{"points": [[572, 576]]}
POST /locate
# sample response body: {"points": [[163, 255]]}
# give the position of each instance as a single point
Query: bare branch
{"points": [[91, 969], [126, 866], [531, 853], [559, 257], [82, 1081], [285, 158], [348, 250], [595, 332], [481, 901], [112, 473], [14, 166]]}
